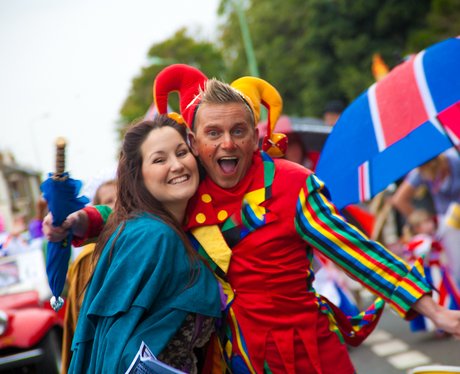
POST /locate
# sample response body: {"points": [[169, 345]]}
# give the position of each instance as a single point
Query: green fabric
{"points": [[141, 293], [104, 211]]}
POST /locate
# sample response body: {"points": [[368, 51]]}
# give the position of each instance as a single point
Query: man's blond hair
{"points": [[217, 92]]}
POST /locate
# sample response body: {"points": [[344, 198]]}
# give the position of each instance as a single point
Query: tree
{"points": [[317, 50], [443, 21], [180, 48]]}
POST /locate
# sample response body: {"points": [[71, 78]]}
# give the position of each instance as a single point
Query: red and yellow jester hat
{"points": [[257, 91], [187, 81]]}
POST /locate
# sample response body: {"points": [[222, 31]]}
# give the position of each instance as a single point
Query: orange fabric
{"points": [[78, 276]]}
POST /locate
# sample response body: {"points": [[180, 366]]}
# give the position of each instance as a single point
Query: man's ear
{"points": [[256, 136], [192, 143]]}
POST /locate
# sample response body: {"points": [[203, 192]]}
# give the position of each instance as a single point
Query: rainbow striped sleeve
{"points": [[385, 274]]}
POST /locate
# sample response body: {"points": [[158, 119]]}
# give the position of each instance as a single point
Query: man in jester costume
{"points": [[256, 219]]}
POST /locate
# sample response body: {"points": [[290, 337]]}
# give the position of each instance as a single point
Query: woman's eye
{"points": [[182, 153], [158, 160]]}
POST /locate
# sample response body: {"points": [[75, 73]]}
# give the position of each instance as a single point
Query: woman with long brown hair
{"points": [[149, 285]]}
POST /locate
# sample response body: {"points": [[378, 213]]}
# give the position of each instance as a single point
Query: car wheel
{"points": [[51, 346]]}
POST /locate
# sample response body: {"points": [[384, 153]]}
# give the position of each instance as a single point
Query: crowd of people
{"points": [[207, 255]]}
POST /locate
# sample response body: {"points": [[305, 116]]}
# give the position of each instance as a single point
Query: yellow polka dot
{"points": [[206, 198], [222, 215], [200, 218]]}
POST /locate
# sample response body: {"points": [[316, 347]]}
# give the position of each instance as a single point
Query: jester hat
{"points": [[188, 81], [257, 91], [184, 79]]}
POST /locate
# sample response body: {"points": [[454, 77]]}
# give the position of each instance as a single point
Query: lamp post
{"points": [[248, 47], [252, 62]]}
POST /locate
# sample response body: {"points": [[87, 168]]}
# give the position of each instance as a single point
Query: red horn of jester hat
{"points": [[258, 91], [184, 79]]}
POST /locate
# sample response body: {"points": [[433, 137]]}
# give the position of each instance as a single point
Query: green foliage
{"points": [[443, 21], [180, 48]]}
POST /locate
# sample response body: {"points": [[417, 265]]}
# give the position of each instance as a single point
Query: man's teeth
{"points": [[177, 180]]}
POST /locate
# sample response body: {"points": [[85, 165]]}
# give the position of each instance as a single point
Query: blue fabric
{"points": [[62, 198], [139, 292]]}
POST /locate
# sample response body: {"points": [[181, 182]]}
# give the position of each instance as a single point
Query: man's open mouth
{"points": [[228, 164]]}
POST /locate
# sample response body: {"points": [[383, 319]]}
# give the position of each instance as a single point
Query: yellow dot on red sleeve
{"points": [[222, 215], [206, 198], [200, 218]]}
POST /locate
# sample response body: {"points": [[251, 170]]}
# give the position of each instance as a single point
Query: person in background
{"points": [[106, 194], [2, 224], [79, 273], [35, 224], [148, 285], [296, 151], [440, 175], [16, 241], [332, 111], [422, 244]]}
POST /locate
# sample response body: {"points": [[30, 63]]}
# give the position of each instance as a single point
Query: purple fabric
{"points": [[35, 229]]}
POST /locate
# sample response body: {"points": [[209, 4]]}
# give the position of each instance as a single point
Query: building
{"points": [[19, 190]]}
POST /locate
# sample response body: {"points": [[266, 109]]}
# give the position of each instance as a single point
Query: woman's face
{"points": [[169, 169]]}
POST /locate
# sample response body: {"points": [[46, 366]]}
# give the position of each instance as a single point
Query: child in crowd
{"points": [[424, 245]]}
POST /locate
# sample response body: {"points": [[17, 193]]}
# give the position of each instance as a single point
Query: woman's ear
{"points": [[192, 143]]}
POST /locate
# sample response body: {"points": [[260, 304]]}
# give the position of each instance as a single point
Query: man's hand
{"points": [[77, 222], [444, 319]]}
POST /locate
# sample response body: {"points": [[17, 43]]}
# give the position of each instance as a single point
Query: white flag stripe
{"points": [[375, 115], [364, 183], [425, 93]]}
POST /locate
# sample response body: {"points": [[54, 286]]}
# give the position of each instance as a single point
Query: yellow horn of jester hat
{"points": [[257, 91]]}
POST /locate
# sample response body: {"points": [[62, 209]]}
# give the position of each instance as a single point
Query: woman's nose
{"points": [[176, 164]]}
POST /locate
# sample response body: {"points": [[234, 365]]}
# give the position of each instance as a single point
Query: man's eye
{"points": [[238, 132], [213, 133]]}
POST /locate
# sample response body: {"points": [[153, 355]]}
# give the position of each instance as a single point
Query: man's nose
{"points": [[228, 142]]}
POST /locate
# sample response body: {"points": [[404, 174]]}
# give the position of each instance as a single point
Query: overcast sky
{"points": [[66, 68]]}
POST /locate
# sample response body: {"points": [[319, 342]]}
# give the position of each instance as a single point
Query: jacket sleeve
{"points": [[97, 217], [319, 223]]}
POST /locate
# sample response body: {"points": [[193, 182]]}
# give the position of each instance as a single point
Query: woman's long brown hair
{"points": [[133, 198]]}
